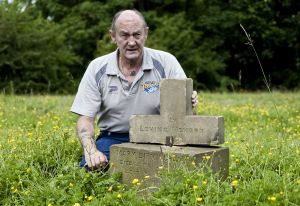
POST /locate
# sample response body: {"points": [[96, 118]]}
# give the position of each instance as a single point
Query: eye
{"points": [[124, 35], [137, 35]]}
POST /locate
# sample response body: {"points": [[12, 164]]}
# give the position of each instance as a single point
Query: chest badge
{"points": [[151, 86]]}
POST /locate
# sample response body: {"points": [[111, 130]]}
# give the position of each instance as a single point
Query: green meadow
{"points": [[39, 156]]}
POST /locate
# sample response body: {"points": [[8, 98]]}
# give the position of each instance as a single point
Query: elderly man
{"points": [[120, 84]]}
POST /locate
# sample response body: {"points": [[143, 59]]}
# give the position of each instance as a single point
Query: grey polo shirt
{"points": [[104, 90]]}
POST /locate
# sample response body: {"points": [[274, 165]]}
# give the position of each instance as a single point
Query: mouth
{"points": [[131, 50]]}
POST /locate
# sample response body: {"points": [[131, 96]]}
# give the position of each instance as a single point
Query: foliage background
{"points": [[46, 45]]}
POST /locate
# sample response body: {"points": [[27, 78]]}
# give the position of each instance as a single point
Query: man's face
{"points": [[130, 35]]}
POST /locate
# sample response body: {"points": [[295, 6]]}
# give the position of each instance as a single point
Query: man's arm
{"points": [[93, 157]]}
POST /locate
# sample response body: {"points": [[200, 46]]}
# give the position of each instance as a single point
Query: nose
{"points": [[131, 41]]}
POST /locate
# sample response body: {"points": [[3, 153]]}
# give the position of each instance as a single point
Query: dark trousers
{"points": [[105, 140]]}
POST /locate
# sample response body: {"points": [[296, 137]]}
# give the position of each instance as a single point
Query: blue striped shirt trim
{"points": [[99, 74], [157, 65]]}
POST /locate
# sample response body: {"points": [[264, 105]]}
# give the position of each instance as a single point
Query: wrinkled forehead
{"points": [[129, 19]]}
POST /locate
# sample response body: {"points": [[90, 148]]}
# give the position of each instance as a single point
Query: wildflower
{"points": [[206, 157], [76, 204], [193, 163], [204, 182], [28, 170], [29, 134], [272, 198], [70, 185], [50, 204], [134, 181], [199, 199], [138, 184], [160, 167], [195, 187], [119, 196], [90, 198], [234, 183], [13, 189], [298, 182], [147, 177], [109, 189]]}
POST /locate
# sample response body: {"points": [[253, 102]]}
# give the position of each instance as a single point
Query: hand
{"points": [[95, 160], [194, 99]]}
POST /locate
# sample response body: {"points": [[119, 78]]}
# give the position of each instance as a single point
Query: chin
{"points": [[133, 56]]}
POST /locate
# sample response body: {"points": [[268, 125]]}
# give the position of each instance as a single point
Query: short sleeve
{"points": [[176, 71], [87, 101]]}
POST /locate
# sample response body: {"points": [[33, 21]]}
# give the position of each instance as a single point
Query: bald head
{"points": [[128, 15]]}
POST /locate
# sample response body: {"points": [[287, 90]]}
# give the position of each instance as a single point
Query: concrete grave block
{"points": [[176, 124], [139, 160]]}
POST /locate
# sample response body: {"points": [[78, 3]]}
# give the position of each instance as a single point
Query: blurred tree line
{"points": [[46, 45]]}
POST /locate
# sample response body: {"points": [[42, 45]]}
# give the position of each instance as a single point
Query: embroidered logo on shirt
{"points": [[112, 89], [151, 86]]}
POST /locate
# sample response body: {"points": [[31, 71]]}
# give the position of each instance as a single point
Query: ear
{"points": [[112, 36], [146, 32]]}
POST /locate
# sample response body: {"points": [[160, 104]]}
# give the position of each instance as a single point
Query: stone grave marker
{"points": [[135, 160], [176, 122], [189, 137]]}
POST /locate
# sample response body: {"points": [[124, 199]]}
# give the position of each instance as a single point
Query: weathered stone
{"points": [[139, 160], [176, 123]]}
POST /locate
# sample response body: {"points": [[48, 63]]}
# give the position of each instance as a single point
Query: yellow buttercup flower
{"points": [[199, 199], [76, 204], [272, 198], [195, 187], [119, 196], [234, 183], [134, 181]]}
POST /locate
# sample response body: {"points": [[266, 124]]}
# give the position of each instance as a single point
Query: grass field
{"points": [[39, 155]]}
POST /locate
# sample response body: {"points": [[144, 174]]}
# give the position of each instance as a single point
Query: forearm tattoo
{"points": [[87, 140]]}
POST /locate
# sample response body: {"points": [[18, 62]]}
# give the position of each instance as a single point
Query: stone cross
{"points": [[176, 124]]}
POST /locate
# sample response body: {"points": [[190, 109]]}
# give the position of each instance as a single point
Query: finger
{"points": [[103, 158], [94, 163], [98, 163], [88, 162], [194, 94]]}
